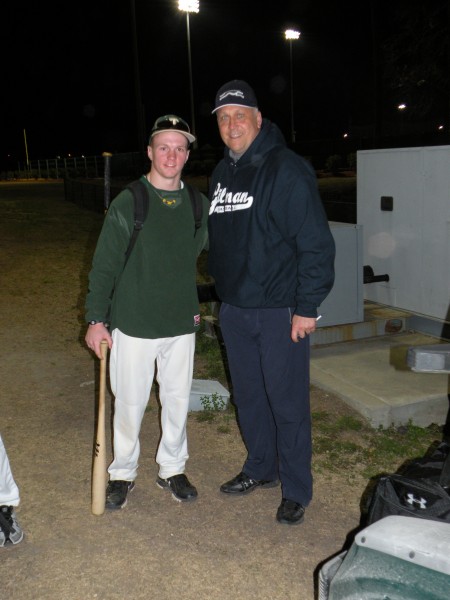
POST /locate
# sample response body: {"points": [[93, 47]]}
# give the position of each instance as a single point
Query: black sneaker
{"points": [[182, 490], [116, 493], [243, 484], [10, 530], [290, 512]]}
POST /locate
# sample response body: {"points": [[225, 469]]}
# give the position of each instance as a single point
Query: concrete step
{"points": [[378, 320]]}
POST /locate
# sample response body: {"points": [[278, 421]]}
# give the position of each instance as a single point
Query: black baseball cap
{"points": [[235, 93], [172, 123]]}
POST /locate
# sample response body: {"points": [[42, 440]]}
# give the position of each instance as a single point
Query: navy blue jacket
{"points": [[270, 244]]}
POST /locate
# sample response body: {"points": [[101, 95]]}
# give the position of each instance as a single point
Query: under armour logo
{"points": [[421, 503], [174, 121], [232, 93]]}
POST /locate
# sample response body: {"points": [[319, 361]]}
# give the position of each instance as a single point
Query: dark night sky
{"points": [[68, 68]]}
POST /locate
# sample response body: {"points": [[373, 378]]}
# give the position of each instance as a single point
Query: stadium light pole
{"points": [[401, 108], [189, 6], [290, 35], [140, 120]]}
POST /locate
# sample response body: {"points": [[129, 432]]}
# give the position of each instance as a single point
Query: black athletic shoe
{"points": [[243, 484], [116, 493], [10, 530], [290, 512], [182, 490]]}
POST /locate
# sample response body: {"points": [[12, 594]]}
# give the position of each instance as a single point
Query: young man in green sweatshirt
{"points": [[153, 312]]}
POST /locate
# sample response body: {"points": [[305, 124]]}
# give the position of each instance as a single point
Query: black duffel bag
{"points": [[420, 490]]}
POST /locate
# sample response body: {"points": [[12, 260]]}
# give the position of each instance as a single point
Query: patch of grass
{"points": [[210, 359], [391, 448], [337, 189], [205, 416], [350, 422], [224, 429], [349, 444], [319, 416], [223, 418]]}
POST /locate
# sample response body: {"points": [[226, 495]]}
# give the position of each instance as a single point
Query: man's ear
{"points": [[149, 152]]}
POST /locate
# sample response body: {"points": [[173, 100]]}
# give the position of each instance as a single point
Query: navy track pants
{"points": [[270, 379]]}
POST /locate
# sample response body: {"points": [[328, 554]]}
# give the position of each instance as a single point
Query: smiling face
{"points": [[168, 152], [238, 126]]}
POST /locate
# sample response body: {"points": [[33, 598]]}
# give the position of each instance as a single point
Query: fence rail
{"points": [[89, 194], [87, 167]]}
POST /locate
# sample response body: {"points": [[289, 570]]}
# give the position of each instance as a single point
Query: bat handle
{"points": [[104, 348], [104, 353]]}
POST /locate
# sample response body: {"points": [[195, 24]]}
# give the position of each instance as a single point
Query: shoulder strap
{"points": [[140, 198], [197, 205]]}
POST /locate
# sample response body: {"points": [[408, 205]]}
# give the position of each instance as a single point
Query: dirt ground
{"points": [[216, 547]]}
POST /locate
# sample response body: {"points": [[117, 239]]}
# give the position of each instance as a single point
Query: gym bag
{"points": [[420, 490]]}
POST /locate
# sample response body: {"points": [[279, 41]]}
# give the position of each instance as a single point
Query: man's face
{"points": [[238, 126], [168, 152]]}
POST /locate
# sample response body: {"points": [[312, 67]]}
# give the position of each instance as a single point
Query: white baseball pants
{"points": [[9, 492], [132, 369]]}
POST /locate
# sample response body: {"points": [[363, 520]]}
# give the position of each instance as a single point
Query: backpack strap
{"points": [[197, 205], [140, 198]]}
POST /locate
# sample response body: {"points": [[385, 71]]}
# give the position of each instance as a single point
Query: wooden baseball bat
{"points": [[99, 466]]}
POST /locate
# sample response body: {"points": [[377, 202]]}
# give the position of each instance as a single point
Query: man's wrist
{"points": [[95, 322]]}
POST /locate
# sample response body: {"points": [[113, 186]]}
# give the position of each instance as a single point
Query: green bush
{"points": [[351, 161], [334, 163]]}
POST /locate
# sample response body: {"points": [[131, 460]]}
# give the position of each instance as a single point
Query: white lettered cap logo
{"points": [[236, 93]]}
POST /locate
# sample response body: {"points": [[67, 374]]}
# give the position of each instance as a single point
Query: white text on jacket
{"points": [[224, 201]]}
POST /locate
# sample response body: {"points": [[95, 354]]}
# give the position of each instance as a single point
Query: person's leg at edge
{"points": [[241, 333], [9, 492], [175, 364], [132, 367], [10, 530]]}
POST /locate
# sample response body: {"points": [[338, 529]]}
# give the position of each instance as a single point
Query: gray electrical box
{"points": [[345, 302]]}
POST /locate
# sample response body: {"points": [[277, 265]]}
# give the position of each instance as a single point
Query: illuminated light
{"points": [[291, 34], [440, 127], [189, 5], [401, 106], [345, 135]]}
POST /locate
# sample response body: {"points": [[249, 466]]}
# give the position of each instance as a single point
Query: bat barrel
{"points": [[99, 464]]}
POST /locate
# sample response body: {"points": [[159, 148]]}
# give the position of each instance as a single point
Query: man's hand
{"points": [[301, 327], [95, 335]]}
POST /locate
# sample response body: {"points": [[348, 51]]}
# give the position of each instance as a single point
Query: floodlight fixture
{"points": [[189, 5], [291, 34]]}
